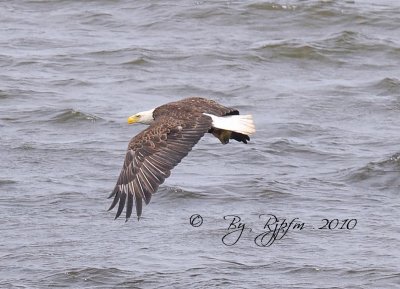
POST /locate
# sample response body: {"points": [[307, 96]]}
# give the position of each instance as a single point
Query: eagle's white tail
{"points": [[239, 123]]}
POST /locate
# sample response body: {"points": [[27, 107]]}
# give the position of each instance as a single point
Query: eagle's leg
{"points": [[221, 134], [225, 135]]}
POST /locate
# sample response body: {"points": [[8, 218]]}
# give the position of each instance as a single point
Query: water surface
{"points": [[322, 81]]}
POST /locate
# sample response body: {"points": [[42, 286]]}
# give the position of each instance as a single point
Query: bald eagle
{"points": [[174, 129]]}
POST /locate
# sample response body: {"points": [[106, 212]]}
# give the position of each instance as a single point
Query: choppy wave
{"points": [[4, 182], [332, 48], [82, 277], [290, 49], [388, 86], [3, 94], [384, 174], [140, 61], [171, 193], [72, 115], [353, 42], [45, 114], [274, 6]]}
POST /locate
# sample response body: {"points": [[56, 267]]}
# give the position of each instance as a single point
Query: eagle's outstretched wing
{"points": [[151, 156]]}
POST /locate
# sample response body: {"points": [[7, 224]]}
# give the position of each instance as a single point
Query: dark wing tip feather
{"points": [[147, 197], [113, 192], [138, 203], [121, 205], [129, 207], [115, 201]]}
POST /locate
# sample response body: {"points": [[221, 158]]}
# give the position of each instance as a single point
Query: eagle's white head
{"points": [[145, 117]]}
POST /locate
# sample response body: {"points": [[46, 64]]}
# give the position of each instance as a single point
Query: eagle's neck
{"points": [[146, 117]]}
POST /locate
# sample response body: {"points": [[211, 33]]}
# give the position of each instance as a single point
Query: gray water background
{"points": [[322, 79]]}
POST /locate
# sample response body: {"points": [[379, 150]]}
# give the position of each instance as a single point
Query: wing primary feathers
{"points": [[115, 201], [113, 192], [129, 206], [147, 187], [138, 203], [146, 181], [139, 184], [153, 163], [152, 175], [158, 162], [121, 205]]}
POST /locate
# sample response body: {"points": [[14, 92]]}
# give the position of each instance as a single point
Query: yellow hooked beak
{"points": [[133, 119]]}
